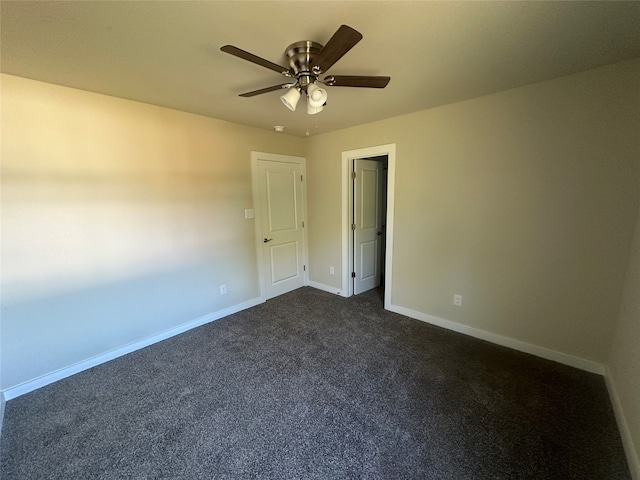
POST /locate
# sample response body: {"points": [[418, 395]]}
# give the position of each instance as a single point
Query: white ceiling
{"points": [[168, 53]]}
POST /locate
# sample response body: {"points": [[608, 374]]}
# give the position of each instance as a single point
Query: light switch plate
{"points": [[248, 213]]}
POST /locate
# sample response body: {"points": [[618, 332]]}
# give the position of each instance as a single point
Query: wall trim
{"points": [[65, 372], [627, 442], [347, 192], [326, 288], [564, 358], [2, 403]]}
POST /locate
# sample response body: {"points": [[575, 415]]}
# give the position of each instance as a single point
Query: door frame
{"points": [[347, 205], [257, 208]]}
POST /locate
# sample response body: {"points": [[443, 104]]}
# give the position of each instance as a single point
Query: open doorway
{"points": [[368, 221], [368, 191]]}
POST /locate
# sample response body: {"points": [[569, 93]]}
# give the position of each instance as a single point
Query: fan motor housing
{"points": [[300, 56]]}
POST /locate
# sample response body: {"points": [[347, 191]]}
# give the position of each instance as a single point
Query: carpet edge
{"points": [[2, 402], [325, 288], [625, 434], [43, 380], [542, 352]]}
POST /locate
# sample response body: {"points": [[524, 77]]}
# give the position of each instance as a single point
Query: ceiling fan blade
{"points": [[356, 81], [238, 52], [267, 90], [340, 43]]}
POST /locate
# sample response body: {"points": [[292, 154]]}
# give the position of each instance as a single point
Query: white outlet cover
{"points": [[457, 300]]}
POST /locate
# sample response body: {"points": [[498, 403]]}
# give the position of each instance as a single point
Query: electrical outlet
{"points": [[332, 271], [223, 289], [457, 300]]}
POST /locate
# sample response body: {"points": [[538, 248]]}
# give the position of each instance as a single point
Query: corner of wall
{"points": [[625, 433]]}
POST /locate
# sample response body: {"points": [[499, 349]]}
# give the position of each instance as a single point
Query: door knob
{"points": [[267, 240], [379, 233]]}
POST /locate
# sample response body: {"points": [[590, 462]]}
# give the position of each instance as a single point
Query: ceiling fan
{"points": [[307, 61]]}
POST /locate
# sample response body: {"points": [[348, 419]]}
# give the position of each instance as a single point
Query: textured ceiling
{"points": [[168, 53]]}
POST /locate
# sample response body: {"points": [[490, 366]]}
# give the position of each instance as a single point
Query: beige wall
{"points": [[523, 202], [119, 220], [624, 360]]}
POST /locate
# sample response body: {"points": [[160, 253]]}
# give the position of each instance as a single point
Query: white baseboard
{"points": [[573, 361], [326, 288], [2, 402], [65, 372], [627, 441]]}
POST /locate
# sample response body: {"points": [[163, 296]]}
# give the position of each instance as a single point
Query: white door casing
{"points": [[279, 201], [367, 224], [347, 193]]}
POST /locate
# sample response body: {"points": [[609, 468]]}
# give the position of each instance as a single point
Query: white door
{"points": [[367, 224], [281, 211]]}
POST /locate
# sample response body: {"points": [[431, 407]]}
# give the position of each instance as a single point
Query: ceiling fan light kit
{"points": [[290, 99], [313, 110], [317, 96], [307, 61]]}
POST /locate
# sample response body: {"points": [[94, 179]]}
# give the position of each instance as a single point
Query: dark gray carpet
{"points": [[314, 386]]}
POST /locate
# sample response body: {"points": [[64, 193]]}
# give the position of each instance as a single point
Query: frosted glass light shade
{"points": [[313, 110], [317, 96], [290, 99]]}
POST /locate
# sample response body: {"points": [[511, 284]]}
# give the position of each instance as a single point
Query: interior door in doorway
{"points": [[281, 222], [367, 223]]}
